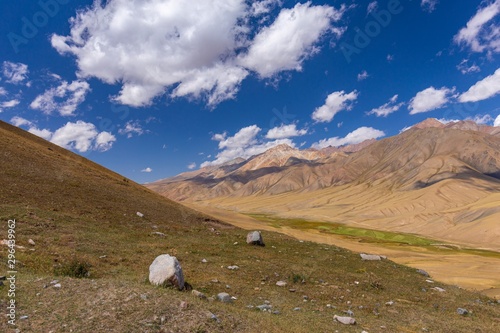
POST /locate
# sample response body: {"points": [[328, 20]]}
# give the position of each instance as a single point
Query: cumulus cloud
{"points": [[63, 99], [484, 89], [357, 136], [497, 121], [131, 128], [9, 104], [15, 73], [481, 32], [429, 5], [245, 143], [290, 39], [387, 108], [147, 170], [202, 51], [372, 7], [285, 131], [430, 99], [363, 76], [80, 136], [335, 102], [191, 166]]}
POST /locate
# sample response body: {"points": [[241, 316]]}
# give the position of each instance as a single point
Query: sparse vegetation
{"points": [[76, 268], [96, 224]]}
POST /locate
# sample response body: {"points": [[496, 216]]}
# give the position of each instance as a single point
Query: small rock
{"points": [[281, 283], [389, 303], [23, 317], [364, 332], [54, 281], [349, 313], [296, 309], [264, 307], [184, 305], [235, 243], [370, 257], [276, 312], [213, 317], [422, 272], [441, 290], [255, 238], [233, 268], [204, 261], [102, 257], [31, 242], [292, 290], [345, 320], [57, 285], [228, 286], [140, 214], [429, 281], [159, 234], [198, 294], [224, 297], [462, 312]]}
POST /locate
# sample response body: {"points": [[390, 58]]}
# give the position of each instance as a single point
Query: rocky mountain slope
{"points": [[452, 166]]}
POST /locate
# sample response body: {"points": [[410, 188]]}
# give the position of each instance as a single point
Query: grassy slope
{"points": [[73, 208]]}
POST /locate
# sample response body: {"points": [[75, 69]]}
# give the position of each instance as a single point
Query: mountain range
{"points": [[439, 180]]}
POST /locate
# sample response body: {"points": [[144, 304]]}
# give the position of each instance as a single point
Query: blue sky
{"points": [[152, 88]]}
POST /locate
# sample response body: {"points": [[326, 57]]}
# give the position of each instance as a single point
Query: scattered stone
{"points": [[429, 281], [390, 303], [292, 290], [255, 238], [349, 313], [224, 297], [102, 257], [441, 290], [31, 242], [345, 320], [235, 243], [140, 214], [204, 261], [281, 283], [462, 312], [157, 233], [276, 312], [57, 285], [184, 305], [166, 270], [228, 286], [264, 307], [215, 281], [233, 268], [213, 317], [422, 272], [370, 257], [23, 317], [54, 282], [364, 332], [296, 309], [198, 294]]}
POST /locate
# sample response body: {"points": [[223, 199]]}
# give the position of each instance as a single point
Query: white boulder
{"points": [[166, 270]]}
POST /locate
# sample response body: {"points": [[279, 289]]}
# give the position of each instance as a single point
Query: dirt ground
{"points": [[468, 271]]}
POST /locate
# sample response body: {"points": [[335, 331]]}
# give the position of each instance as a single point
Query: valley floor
{"points": [[477, 272]]}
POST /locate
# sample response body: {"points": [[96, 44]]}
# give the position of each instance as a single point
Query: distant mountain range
{"points": [[430, 172]]}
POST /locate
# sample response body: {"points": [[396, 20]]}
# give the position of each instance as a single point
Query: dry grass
{"points": [[75, 210]]}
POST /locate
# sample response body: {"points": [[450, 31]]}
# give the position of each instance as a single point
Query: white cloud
{"points": [[63, 99], [430, 99], [15, 73], [357, 136], [264, 6], [387, 108], [372, 7], [3, 92], [18, 121], [131, 128], [202, 51], [9, 104], [335, 102], [285, 131], [482, 119], [497, 121], [290, 39], [147, 170], [191, 166], [484, 89], [363, 76], [465, 68], [390, 57], [481, 34], [244, 144], [429, 5], [79, 136]]}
